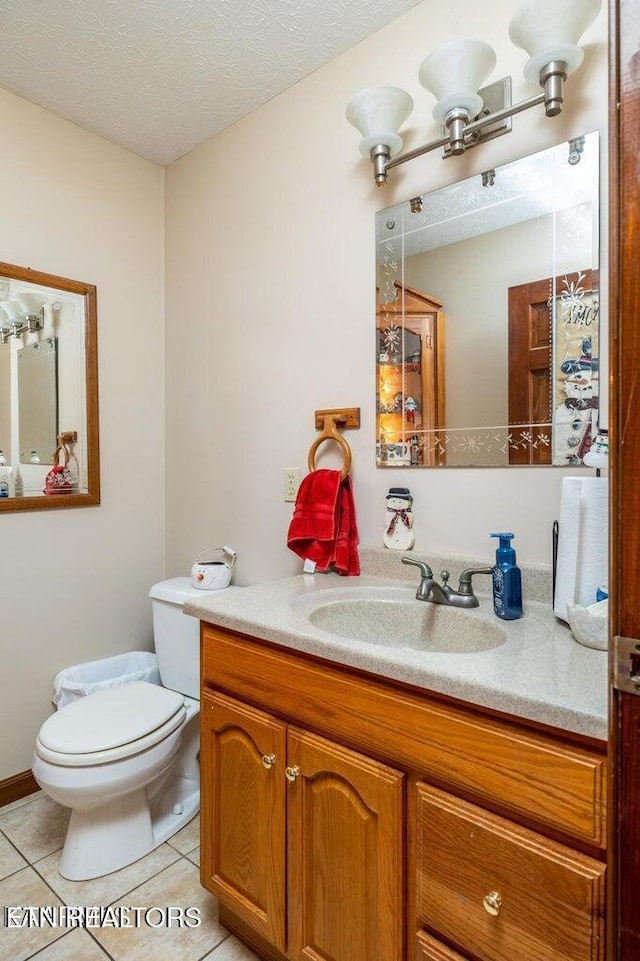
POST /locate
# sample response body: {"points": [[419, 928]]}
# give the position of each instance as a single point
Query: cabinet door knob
{"points": [[492, 903], [291, 773], [268, 760]]}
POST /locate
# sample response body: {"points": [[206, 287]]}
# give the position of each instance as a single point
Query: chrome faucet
{"points": [[430, 590]]}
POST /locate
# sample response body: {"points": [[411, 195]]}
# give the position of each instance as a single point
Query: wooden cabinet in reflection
{"points": [[410, 379]]}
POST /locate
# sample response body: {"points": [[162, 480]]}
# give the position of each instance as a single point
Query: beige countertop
{"points": [[537, 670]]}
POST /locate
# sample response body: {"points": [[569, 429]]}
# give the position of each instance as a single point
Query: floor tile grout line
{"points": [[101, 946], [110, 957], [45, 946], [66, 934], [107, 955], [184, 854], [44, 880], [215, 947], [17, 850], [41, 797], [91, 935], [42, 858], [146, 880], [129, 891], [12, 874]]}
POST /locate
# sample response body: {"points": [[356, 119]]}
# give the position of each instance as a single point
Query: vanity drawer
{"points": [[428, 949], [547, 900], [549, 783]]}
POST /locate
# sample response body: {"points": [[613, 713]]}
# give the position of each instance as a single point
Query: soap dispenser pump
{"points": [[507, 581]]}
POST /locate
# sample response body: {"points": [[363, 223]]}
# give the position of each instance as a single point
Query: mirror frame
{"points": [[92, 496]]}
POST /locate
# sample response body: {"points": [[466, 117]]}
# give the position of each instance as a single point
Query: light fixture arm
{"points": [[418, 152], [28, 324], [463, 133]]}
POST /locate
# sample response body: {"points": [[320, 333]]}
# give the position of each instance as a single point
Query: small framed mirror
{"points": [[49, 447], [488, 333]]}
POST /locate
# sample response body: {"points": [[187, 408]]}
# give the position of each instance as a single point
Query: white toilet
{"points": [[125, 759]]}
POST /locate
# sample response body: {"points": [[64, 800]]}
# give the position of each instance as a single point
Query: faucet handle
{"points": [[465, 587], [425, 570]]}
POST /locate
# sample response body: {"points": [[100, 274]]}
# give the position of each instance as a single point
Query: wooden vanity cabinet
{"points": [[270, 790], [345, 818]]}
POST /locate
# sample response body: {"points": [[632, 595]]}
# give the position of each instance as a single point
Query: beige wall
{"points": [[73, 583], [270, 303], [472, 278]]}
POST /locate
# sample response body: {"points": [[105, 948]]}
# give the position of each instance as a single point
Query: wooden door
{"points": [[529, 368], [242, 762], [624, 203], [345, 846], [531, 382]]}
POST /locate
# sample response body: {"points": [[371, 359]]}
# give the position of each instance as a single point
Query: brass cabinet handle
{"points": [[291, 773], [492, 903], [268, 760]]}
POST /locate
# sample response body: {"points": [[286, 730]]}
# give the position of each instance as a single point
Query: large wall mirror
{"points": [[48, 391], [487, 317]]}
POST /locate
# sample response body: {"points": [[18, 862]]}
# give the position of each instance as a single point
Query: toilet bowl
{"points": [[125, 759]]}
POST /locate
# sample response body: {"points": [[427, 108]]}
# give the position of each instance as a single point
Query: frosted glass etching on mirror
{"points": [[488, 326]]}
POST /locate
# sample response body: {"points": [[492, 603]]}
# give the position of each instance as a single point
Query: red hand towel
{"points": [[323, 528]]}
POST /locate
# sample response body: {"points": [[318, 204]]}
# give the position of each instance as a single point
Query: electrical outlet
{"points": [[291, 483]]}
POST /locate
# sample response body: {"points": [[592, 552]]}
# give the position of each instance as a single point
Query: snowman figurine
{"points": [[598, 455], [398, 534]]}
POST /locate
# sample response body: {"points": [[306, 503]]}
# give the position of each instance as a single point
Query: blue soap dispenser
{"points": [[507, 581]]}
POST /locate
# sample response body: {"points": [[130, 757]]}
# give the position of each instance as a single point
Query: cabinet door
{"points": [[344, 854], [242, 761], [498, 890]]}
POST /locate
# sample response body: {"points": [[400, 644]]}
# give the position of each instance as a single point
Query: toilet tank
{"points": [[177, 635]]}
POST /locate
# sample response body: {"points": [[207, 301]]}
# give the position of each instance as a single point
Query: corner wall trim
{"points": [[16, 787]]}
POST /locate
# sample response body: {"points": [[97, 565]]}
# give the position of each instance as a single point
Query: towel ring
{"points": [[330, 433]]}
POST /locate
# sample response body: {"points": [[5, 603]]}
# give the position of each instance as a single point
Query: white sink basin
{"points": [[392, 617]]}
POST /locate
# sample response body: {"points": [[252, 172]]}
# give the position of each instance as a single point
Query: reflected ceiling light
{"points": [[548, 30], [23, 315]]}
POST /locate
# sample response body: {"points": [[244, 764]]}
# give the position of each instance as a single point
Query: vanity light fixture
{"points": [[548, 30], [24, 315]]}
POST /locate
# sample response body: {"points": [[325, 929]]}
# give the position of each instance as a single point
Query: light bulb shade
{"points": [[31, 303], [5, 320], [550, 30], [13, 310], [378, 113], [454, 73]]}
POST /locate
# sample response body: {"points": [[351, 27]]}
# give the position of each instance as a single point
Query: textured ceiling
{"points": [[161, 76]]}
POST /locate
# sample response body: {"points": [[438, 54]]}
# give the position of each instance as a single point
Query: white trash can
{"points": [[83, 679]]}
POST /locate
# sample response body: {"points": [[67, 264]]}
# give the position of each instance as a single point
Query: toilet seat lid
{"points": [[110, 719]]}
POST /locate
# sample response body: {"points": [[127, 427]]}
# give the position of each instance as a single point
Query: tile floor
{"points": [[31, 836]]}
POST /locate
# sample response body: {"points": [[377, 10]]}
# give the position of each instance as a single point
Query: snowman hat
{"points": [[400, 492]]}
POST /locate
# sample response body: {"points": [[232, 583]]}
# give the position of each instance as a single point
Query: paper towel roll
{"points": [[582, 543]]}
